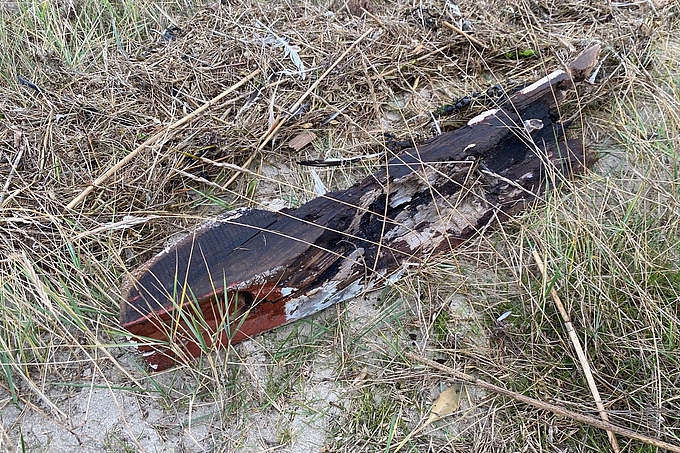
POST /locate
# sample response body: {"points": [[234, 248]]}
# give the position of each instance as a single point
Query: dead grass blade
{"points": [[280, 121], [467, 36], [164, 132]]}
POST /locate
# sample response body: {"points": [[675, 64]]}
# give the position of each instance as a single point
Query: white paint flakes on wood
{"points": [[328, 293], [321, 298], [482, 116], [539, 83]]}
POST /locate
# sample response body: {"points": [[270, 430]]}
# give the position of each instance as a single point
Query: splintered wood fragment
{"points": [[253, 270], [584, 63], [301, 140]]}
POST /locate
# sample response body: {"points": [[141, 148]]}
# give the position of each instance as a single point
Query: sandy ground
{"points": [[100, 414]]}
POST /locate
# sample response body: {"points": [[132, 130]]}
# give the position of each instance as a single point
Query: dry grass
{"points": [[84, 83]]}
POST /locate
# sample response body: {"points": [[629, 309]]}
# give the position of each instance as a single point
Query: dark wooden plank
{"points": [[254, 270]]}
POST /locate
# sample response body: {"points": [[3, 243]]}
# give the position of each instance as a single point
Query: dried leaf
{"points": [[361, 376], [446, 404]]}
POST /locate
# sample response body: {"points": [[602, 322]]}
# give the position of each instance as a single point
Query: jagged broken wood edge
{"points": [[254, 270]]}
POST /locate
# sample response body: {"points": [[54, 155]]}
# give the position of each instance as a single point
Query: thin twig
{"points": [[579, 350], [376, 19], [274, 128], [162, 133], [559, 410], [420, 59], [469, 37]]}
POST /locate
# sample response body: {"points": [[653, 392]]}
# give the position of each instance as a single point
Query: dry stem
{"points": [[579, 350], [592, 421], [467, 36]]}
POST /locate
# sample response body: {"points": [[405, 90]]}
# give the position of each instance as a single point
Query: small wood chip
{"points": [[301, 140]]}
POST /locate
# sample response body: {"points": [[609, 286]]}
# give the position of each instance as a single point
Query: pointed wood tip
{"points": [[583, 65]]}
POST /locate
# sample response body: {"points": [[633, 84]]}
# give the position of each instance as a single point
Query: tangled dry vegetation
{"points": [[85, 83]]}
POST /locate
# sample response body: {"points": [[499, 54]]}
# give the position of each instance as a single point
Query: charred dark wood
{"points": [[253, 270]]}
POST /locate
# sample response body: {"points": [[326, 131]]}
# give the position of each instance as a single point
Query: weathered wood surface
{"points": [[254, 270]]}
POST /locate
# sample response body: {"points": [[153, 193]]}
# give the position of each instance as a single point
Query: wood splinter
{"points": [[253, 270]]}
